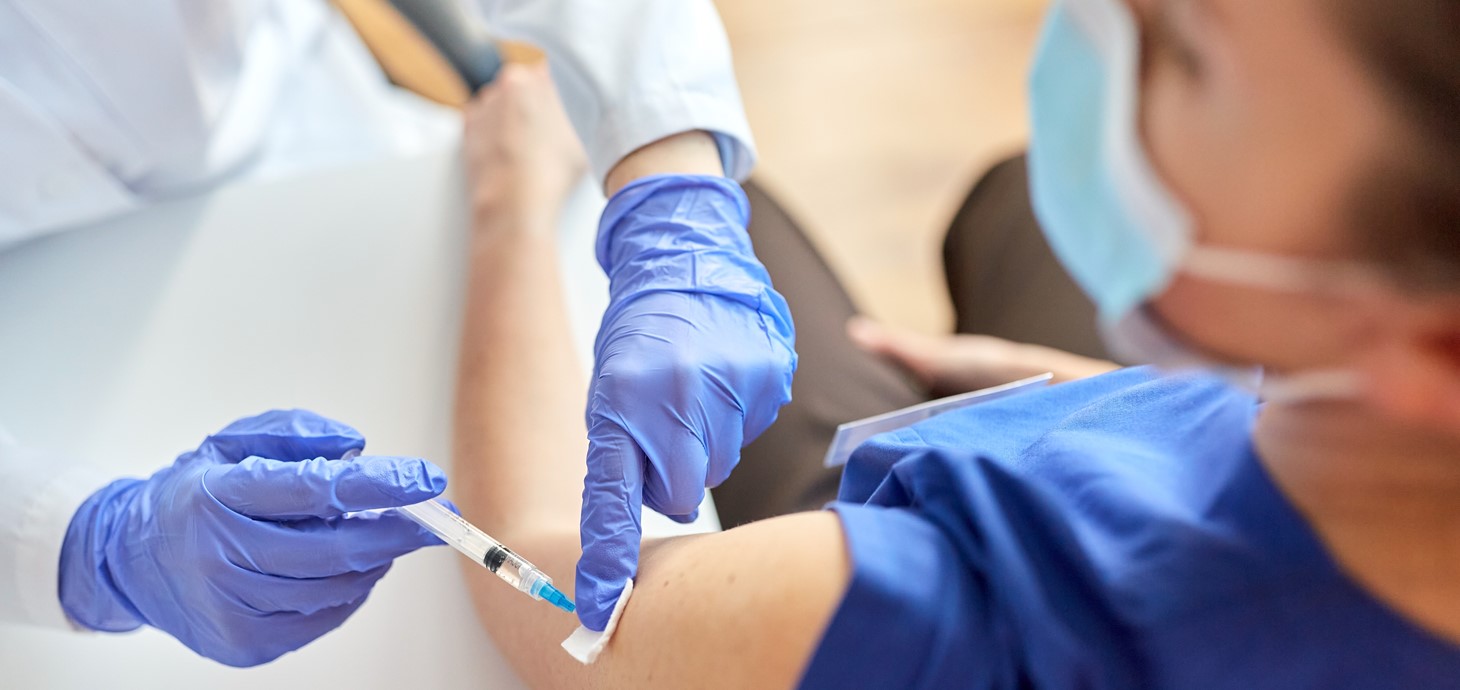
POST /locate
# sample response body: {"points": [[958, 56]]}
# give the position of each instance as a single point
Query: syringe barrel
{"points": [[478, 546], [452, 529], [516, 571]]}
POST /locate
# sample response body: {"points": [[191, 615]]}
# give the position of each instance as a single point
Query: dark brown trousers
{"points": [[1003, 281]]}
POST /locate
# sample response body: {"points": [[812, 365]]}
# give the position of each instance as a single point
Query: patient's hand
{"points": [[522, 157], [951, 364]]}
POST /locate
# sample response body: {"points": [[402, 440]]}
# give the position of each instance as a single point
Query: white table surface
{"points": [[126, 343]]}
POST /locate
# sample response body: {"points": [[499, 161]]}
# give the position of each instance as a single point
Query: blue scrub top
{"points": [[1117, 532]]}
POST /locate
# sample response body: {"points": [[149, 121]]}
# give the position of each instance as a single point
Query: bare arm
{"points": [[702, 606], [689, 153]]}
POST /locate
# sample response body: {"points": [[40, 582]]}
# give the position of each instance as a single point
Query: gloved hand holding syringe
{"points": [[440, 520]]}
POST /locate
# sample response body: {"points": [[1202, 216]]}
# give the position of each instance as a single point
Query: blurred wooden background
{"points": [[874, 117]]}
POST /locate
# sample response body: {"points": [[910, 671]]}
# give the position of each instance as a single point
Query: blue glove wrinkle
{"points": [[693, 360], [612, 494], [403, 482], [275, 490], [94, 601], [289, 435], [266, 595], [672, 210], [239, 556]]}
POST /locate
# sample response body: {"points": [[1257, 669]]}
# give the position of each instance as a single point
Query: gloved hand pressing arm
{"points": [[694, 359], [242, 549]]}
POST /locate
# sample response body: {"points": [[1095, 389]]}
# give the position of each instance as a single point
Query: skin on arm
{"points": [[687, 153], [702, 606]]}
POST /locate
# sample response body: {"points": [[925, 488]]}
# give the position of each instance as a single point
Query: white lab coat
{"points": [[107, 105]]}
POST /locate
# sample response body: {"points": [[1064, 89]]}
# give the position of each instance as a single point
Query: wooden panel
{"points": [[874, 118], [405, 55]]}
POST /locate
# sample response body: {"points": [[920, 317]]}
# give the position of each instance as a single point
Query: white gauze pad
{"points": [[585, 645]]}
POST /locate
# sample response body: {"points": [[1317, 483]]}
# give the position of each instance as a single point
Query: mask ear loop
{"points": [[1283, 273], [1138, 337], [1293, 275], [1311, 386]]}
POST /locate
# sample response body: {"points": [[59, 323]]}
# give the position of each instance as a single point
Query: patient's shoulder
{"points": [[742, 608]]}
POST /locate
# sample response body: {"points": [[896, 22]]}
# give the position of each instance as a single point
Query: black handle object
{"points": [[463, 42]]}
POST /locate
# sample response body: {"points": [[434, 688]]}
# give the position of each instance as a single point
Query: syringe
{"points": [[490, 553]]}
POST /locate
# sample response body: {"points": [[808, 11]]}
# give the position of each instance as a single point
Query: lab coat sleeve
{"points": [[38, 496], [632, 72]]}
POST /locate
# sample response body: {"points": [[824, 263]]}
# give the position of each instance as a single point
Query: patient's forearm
{"points": [[519, 439]]}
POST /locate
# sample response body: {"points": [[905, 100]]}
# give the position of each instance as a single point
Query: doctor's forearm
{"points": [[688, 153]]}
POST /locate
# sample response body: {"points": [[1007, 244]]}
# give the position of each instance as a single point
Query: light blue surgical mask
{"points": [[1111, 220]]}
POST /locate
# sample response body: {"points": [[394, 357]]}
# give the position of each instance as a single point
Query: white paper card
{"points": [[853, 434]]}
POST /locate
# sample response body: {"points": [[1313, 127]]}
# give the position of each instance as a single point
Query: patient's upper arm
{"points": [[737, 609]]}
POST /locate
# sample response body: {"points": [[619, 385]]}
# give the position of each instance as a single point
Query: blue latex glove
{"points": [[241, 549], [693, 360]]}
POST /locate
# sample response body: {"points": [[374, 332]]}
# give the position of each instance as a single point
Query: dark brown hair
{"points": [[1408, 211]]}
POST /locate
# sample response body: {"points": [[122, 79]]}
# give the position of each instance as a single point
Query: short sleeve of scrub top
{"points": [[1117, 532]]}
